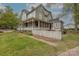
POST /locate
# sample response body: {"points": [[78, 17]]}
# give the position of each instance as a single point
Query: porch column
{"points": [[32, 24], [38, 24], [44, 26], [41, 25], [49, 26]]}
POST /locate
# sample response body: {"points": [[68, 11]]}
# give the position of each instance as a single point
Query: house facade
{"points": [[39, 19]]}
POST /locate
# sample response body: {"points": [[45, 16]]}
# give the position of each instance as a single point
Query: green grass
{"points": [[69, 41], [19, 44]]}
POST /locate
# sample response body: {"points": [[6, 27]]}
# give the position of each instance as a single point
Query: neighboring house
{"points": [[40, 20], [69, 26]]}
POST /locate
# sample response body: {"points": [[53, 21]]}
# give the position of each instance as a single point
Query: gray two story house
{"points": [[40, 19]]}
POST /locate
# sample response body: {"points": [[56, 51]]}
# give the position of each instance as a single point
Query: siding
{"points": [[31, 15]]}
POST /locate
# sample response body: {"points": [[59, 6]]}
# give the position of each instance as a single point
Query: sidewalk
{"points": [[71, 52]]}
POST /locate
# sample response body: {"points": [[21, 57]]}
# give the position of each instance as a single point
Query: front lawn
{"points": [[20, 44]]}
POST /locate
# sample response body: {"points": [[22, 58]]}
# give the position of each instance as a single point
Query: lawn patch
{"points": [[20, 44]]}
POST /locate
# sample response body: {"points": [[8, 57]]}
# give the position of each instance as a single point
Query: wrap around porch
{"points": [[37, 24]]}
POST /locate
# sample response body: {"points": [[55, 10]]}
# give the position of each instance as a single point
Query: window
{"points": [[56, 25]]}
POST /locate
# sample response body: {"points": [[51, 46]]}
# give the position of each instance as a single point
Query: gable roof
{"points": [[28, 12], [37, 8]]}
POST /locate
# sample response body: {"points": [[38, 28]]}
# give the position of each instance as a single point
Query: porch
{"points": [[36, 24]]}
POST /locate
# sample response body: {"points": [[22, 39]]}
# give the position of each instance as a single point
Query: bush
{"points": [[28, 32], [65, 31]]}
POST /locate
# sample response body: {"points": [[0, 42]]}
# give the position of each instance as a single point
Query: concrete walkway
{"points": [[71, 52], [44, 41]]}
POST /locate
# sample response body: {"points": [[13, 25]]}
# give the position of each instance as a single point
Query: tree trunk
{"points": [[76, 29], [75, 10]]}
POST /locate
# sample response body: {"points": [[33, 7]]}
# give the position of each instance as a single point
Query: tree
{"points": [[76, 15], [74, 8], [9, 9], [8, 20]]}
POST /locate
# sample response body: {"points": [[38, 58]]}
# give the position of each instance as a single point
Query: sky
{"points": [[55, 9], [17, 7]]}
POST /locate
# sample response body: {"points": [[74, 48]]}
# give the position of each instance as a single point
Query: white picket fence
{"points": [[50, 34]]}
